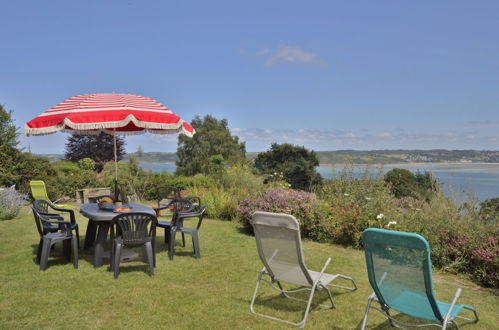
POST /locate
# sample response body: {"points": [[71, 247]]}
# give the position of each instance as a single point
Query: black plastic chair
{"points": [[133, 230], [46, 208], [196, 202], [53, 229], [176, 205], [167, 192], [178, 226]]}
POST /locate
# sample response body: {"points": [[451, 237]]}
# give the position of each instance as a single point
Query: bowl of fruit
{"points": [[106, 203]]}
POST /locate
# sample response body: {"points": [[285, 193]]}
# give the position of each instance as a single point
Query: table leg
{"points": [[100, 243], [90, 234]]}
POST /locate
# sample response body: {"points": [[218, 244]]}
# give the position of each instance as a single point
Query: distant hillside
{"points": [[353, 156], [402, 156], [407, 156]]}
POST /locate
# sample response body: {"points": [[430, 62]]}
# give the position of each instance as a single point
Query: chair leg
{"points": [[117, 259], [300, 324], [45, 254], [153, 243], [366, 314], [149, 254], [330, 297], [252, 310], [183, 240], [74, 241], [144, 253], [167, 235], [39, 251], [171, 243], [66, 248], [195, 244], [78, 237]]}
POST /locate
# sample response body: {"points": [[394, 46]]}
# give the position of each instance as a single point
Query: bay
{"points": [[458, 179], [158, 167]]}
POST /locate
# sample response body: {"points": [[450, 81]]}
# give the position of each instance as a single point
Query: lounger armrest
{"points": [[328, 261], [451, 307]]}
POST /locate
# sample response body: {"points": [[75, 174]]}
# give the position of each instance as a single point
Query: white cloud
{"points": [[259, 139], [289, 54], [263, 52]]}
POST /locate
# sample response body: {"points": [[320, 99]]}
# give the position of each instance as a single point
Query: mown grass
{"points": [[212, 292]]}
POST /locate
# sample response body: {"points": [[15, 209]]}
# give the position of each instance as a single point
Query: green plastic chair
{"points": [[399, 270], [39, 192]]}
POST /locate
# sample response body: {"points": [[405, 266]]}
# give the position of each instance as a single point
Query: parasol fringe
{"points": [[155, 128]]}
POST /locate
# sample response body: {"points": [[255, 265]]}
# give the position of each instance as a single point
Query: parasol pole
{"points": [[115, 157]]}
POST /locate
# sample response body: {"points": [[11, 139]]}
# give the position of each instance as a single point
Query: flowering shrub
{"points": [[356, 202], [460, 241], [304, 206], [476, 255], [10, 203]]}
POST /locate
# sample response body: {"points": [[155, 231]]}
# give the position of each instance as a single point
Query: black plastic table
{"points": [[99, 222]]}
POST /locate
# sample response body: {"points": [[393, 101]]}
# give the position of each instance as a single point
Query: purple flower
{"points": [[10, 203]]}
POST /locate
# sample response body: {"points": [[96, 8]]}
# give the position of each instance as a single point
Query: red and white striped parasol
{"points": [[112, 113]]}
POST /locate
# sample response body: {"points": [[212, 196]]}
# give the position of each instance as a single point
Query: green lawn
{"points": [[212, 292]]}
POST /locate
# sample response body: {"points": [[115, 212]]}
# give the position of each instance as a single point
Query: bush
{"points": [[297, 165], [87, 164], [489, 209], [224, 194], [460, 241], [198, 180], [10, 203], [21, 168], [72, 181], [222, 203], [356, 202], [304, 206], [242, 178], [65, 167], [403, 183]]}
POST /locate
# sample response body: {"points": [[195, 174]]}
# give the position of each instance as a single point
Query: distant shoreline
{"points": [[418, 164], [436, 164]]}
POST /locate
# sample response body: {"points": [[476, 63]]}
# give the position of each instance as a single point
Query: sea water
{"points": [[479, 180]]}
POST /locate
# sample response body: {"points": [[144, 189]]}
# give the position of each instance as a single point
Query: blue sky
{"points": [[327, 75]]}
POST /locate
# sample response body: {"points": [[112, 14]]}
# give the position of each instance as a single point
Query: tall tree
{"points": [[8, 131], [140, 152], [99, 147], [18, 168], [9, 154], [211, 147], [297, 165]]}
